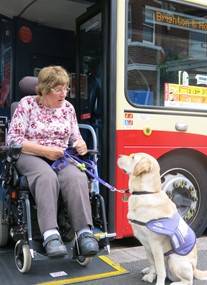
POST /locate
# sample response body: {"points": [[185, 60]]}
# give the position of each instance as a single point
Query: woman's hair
{"points": [[50, 77]]}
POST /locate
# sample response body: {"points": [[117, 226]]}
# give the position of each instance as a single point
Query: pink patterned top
{"points": [[50, 127]]}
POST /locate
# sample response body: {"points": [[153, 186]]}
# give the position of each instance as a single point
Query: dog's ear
{"points": [[144, 165]]}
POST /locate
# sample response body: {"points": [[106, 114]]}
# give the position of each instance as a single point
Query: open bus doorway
{"points": [[80, 36], [89, 71], [95, 83], [89, 82]]}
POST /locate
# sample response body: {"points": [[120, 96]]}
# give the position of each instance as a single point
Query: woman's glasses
{"points": [[60, 90]]}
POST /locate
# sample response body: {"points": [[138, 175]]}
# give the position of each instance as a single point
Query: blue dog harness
{"points": [[70, 155], [182, 237]]}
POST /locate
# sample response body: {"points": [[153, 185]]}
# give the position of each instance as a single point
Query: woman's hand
{"points": [[80, 147], [53, 152]]}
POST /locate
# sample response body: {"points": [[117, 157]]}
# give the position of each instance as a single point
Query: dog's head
{"points": [[143, 170]]}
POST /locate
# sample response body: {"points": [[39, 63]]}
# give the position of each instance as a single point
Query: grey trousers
{"points": [[45, 186]]}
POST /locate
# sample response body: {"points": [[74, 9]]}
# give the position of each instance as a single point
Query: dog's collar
{"points": [[139, 192]]}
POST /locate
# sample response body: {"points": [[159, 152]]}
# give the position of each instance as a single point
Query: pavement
{"points": [[133, 259]]}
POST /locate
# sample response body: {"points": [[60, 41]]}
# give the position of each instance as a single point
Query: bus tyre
{"points": [[183, 177], [4, 228]]}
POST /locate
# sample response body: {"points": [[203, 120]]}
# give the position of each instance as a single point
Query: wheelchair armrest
{"points": [[89, 152], [92, 152], [11, 152], [11, 155], [3, 151]]}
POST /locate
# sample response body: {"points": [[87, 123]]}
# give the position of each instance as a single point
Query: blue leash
{"points": [[71, 154]]}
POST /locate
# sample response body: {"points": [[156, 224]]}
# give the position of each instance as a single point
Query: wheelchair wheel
{"points": [[83, 261], [22, 257], [4, 228]]}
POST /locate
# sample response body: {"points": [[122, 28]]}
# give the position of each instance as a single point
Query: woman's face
{"points": [[55, 98]]}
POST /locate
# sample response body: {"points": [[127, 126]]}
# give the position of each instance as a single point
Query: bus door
{"points": [[93, 86], [87, 82]]}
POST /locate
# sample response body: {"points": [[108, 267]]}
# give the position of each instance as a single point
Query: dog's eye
{"points": [[132, 155]]}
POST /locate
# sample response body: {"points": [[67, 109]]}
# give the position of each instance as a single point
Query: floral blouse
{"points": [[50, 127]]}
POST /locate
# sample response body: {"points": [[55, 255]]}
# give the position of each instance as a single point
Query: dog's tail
{"points": [[200, 275]]}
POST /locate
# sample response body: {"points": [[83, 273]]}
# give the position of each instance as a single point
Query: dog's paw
{"points": [[146, 270], [149, 277]]}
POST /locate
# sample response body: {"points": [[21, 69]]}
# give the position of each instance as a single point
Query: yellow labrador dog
{"points": [[169, 242]]}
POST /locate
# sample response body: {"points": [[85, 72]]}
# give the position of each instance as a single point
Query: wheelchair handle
{"points": [[14, 152], [3, 149]]}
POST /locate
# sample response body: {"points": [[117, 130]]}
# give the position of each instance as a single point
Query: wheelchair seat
{"points": [[27, 85], [18, 211]]}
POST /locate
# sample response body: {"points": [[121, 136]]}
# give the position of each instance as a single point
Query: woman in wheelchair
{"points": [[44, 124]]}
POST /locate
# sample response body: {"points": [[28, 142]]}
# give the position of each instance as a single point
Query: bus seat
{"points": [[140, 97]]}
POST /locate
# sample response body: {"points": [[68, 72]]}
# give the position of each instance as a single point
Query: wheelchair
{"points": [[18, 218], [18, 215]]}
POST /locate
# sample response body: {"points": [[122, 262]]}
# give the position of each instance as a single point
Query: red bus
{"points": [[139, 77]]}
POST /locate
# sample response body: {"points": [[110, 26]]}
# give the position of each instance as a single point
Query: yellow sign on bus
{"points": [[185, 96]]}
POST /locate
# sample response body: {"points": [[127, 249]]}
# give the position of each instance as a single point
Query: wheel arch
{"points": [[186, 152]]}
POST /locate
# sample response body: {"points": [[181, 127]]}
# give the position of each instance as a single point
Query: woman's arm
{"points": [[49, 152], [19, 130]]}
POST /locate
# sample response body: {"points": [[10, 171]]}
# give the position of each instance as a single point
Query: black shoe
{"points": [[88, 244], [54, 246]]}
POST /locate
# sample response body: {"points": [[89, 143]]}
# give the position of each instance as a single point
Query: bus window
{"points": [[166, 64]]}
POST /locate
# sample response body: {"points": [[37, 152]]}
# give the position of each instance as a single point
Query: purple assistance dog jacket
{"points": [[182, 237]]}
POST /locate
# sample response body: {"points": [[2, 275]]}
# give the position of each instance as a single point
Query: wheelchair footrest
{"points": [[102, 235], [104, 245], [39, 256]]}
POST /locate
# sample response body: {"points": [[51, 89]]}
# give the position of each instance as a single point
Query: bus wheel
{"points": [[183, 178], [4, 228]]}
